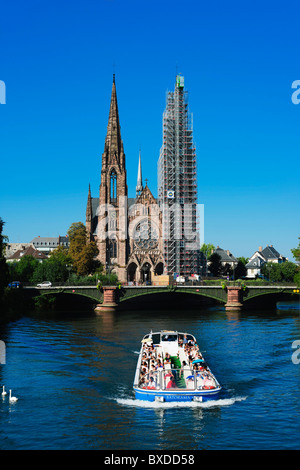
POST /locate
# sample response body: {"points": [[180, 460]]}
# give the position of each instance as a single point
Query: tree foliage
{"points": [[297, 279], [24, 269], [55, 269], [215, 266], [207, 249], [280, 272], [296, 251], [240, 270], [83, 254]]}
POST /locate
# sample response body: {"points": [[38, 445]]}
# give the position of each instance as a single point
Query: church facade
{"points": [[128, 231]]}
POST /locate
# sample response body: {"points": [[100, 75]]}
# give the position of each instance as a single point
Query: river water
{"points": [[73, 375]]}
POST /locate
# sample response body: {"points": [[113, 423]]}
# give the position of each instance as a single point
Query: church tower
{"points": [[128, 232], [112, 211]]}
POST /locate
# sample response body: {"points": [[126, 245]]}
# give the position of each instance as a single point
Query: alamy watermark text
{"points": [[2, 92]]}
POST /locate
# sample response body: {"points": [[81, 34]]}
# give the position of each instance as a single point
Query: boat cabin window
{"points": [[190, 338], [156, 338], [168, 337]]}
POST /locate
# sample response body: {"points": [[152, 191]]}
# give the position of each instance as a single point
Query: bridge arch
{"points": [[62, 301], [267, 298], [169, 295], [89, 293]]}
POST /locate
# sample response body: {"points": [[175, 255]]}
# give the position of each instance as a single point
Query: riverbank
{"points": [[14, 304]]}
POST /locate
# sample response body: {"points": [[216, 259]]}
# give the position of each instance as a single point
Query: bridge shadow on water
{"points": [[65, 303], [267, 302], [168, 301]]}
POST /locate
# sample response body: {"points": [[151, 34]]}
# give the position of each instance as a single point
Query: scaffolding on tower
{"points": [[177, 185]]}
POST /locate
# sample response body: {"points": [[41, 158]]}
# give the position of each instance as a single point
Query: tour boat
{"points": [[171, 367]]}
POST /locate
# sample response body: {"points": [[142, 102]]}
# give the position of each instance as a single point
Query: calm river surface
{"points": [[73, 376]]}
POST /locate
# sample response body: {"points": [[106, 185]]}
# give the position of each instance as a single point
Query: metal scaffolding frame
{"points": [[177, 185]]}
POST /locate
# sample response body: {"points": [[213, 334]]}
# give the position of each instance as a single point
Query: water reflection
{"points": [[108, 321], [291, 305]]}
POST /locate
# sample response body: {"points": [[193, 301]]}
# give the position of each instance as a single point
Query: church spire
{"points": [[113, 141], [139, 185], [89, 216]]}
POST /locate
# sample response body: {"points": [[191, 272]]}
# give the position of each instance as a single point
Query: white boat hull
{"points": [[164, 396], [166, 370]]}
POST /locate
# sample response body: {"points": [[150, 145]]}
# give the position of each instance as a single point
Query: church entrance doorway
{"points": [[146, 273], [159, 269], [131, 273]]}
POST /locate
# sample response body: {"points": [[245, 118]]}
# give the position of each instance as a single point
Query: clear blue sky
{"points": [[239, 60]]}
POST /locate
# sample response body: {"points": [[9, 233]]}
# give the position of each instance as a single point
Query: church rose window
{"points": [[145, 235]]}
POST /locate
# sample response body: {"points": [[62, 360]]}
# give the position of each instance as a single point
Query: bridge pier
{"points": [[234, 298], [109, 303]]}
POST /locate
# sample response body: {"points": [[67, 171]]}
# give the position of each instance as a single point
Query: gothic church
{"points": [[128, 231]]}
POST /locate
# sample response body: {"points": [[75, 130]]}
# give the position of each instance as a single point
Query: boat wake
{"points": [[179, 404]]}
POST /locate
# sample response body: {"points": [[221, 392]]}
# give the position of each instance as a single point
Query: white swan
{"points": [[12, 399], [4, 392]]}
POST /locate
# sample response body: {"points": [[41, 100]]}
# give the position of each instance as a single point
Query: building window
{"points": [[112, 224], [112, 248], [113, 187]]}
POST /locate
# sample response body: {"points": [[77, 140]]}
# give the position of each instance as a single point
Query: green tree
{"points": [[297, 279], [55, 269], [243, 260], [25, 268], [288, 270], [296, 252], [280, 272], [215, 266], [61, 256], [60, 264], [207, 249], [240, 270], [81, 252], [272, 272], [86, 262]]}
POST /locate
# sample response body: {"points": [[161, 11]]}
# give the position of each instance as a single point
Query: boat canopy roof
{"points": [[167, 335]]}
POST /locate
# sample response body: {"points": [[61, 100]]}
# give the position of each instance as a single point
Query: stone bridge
{"points": [[108, 298]]}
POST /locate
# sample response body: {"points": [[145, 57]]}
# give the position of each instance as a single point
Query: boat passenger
{"points": [[143, 372], [183, 366], [167, 359], [142, 383], [171, 383], [191, 359], [167, 377], [151, 383], [209, 383]]}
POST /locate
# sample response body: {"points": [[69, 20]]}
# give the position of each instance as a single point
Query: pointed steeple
{"points": [[89, 215], [139, 185], [113, 142]]}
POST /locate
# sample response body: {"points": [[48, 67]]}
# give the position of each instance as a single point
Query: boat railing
{"points": [[187, 379]]}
